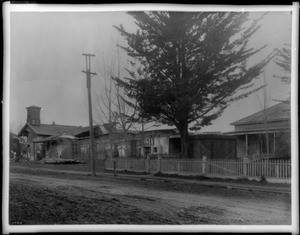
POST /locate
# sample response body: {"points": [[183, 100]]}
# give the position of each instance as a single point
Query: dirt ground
{"points": [[37, 197]]}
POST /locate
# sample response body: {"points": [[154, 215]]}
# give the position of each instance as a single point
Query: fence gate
{"points": [[217, 167]]}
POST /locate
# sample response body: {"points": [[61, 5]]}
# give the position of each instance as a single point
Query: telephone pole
{"points": [[88, 85]]}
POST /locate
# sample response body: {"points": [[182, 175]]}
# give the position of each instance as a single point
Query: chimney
{"points": [[33, 115]]}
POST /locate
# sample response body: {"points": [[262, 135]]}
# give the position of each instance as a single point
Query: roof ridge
{"points": [[59, 125]]}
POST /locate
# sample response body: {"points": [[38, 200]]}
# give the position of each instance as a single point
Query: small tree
{"points": [[283, 147], [193, 65], [114, 111], [138, 123], [105, 103]]}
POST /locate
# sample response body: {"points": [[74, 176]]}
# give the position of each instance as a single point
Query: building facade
{"points": [[73, 142], [264, 133], [47, 140]]}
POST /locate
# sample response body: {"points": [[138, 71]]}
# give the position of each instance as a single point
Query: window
{"points": [[149, 141], [154, 149], [147, 150], [75, 146]]}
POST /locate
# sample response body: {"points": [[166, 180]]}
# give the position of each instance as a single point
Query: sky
{"points": [[46, 63]]}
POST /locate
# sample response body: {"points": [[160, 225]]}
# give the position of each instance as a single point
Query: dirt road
{"points": [[68, 199]]}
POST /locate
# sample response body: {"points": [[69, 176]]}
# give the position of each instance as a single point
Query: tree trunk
{"points": [[110, 145], [184, 136]]}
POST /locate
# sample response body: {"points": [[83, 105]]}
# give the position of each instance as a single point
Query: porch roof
{"points": [[253, 132], [275, 113]]}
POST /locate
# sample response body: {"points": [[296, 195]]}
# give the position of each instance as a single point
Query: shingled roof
{"points": [[85, 131], [278, 112], [53, 129]]}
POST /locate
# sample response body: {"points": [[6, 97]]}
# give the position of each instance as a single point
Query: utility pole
{"points": [[88, 85]]}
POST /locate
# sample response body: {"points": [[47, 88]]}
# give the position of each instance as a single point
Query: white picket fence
{"points": [[269, 169]]}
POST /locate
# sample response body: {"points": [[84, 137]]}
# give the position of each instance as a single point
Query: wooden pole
{"points": [[88, 83]]}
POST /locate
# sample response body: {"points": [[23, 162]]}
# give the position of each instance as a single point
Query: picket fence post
{"points": [[159, 163], [204, 159], [245, 163], [277, 169]]}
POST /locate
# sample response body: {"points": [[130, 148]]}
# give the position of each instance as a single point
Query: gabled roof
{"points": [[55, 129], [100, 129], [278, 112], [49, 138], [52, 129]]}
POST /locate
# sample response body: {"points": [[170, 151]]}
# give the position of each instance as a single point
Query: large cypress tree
{"points": [[188, 66], [284, 61]]}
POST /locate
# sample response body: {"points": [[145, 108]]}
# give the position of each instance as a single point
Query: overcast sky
{"points": [[46, 63]]}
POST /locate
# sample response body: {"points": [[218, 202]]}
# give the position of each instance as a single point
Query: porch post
{"points": [[34, 152], [50, 149], [148, 164], [247, 150], [274, 146]]}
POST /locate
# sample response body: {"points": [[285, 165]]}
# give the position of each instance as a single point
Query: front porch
{"points": [[262, 145]]}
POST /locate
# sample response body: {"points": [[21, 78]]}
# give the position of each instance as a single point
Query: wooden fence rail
{"points": [[242, 168]]}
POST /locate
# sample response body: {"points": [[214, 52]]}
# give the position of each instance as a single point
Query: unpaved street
{"points": [[46, 198]]}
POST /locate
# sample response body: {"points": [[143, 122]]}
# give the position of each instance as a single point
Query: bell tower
{"points": [[33, 115]]}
